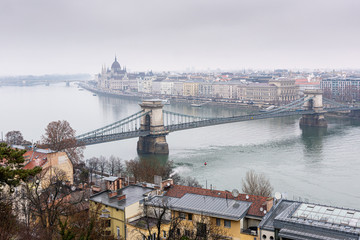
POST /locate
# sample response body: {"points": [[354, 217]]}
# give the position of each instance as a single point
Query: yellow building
{"points": [[201, 212], [117, 207], [51, 162], [191, 89]]}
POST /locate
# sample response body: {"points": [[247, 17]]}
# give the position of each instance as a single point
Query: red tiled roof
{"points": [[258, 202], [38, 159]]}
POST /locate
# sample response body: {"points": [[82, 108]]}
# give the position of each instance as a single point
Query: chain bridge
{"points": [[153, 123]]}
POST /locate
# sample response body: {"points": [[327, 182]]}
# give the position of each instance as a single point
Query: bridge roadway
{"points": [[203, 123]]}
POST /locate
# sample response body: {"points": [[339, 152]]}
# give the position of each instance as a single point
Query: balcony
{"points": [[250, 231]]}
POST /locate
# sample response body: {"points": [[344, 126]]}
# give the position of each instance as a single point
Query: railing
{"points": [[249, 231]]}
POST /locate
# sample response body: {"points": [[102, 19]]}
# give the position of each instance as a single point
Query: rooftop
{"points": [[34, 159], [133, 194], [313, 221], [212, 206], [325, 214], [256, 209]]}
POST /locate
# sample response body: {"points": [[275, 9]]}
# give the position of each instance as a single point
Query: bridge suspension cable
{"points": [[171, 118], [334, 103], [292, 105], [128, 124]]}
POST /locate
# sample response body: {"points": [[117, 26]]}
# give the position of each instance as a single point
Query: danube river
{"points": [[319, 166]]}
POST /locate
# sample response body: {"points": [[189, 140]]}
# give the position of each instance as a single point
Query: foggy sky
{"points": [[79, 36]]}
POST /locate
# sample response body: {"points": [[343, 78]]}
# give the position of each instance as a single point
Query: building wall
{"points": [[133, 210], [266, 234], [341, 89], [59, 161], [166, 88], [206, 90], [191, 89], [117, 218], [178, 89], [222, 91], [287, 90]]}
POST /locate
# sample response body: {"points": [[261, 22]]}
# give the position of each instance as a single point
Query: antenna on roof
{"points": [[277, 196], [235, 193]]}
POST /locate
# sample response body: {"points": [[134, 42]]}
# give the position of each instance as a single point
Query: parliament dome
{"points": [[115, 65]]}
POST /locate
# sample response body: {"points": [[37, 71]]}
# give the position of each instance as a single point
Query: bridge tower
{"points": [[153, 121], [315, 103]]}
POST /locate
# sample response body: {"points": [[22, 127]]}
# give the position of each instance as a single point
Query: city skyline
{"points": [[66, 37]]}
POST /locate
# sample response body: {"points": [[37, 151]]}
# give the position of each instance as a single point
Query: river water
{"points": [[316, 165]]}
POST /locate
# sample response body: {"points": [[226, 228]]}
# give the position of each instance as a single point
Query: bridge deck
{"points": [[102, 138]]}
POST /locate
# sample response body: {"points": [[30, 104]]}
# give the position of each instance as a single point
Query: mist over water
{"points": [[322, 165]]}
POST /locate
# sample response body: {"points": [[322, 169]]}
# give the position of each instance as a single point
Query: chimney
{"points": [[112, 194], [122, 197], [167, 183], [269, 203]]}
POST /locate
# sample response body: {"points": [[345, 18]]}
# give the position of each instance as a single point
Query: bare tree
{"points": [[188, 181], [103, 162], [50, 198], [60, 136], [114, 165], [93, 166], [9, 225], [14, 137], [256, 184], [157, 214], [145, 170]]}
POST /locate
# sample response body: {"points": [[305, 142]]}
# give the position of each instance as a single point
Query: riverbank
{"points": [[198, 102]]}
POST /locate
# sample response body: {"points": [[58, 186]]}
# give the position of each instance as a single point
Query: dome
{"points": [[115, 65]]}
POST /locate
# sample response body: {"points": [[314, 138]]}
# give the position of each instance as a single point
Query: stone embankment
{"points": [[189, 100]]}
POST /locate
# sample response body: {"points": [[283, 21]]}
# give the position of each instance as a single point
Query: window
{"points": [[118, 231], [190, 216], [182, 215], [218, 222], [187, 233], [107, 223], [164, 234], [227, 223], [201, 230], [178, 231]]}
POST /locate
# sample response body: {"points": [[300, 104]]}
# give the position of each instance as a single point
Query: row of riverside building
{"points": [[273, 88], [144, 211]]}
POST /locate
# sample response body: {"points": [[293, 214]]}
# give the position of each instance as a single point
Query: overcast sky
{"points": [[79, 36]]}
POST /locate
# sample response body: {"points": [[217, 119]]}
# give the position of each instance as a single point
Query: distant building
{"points": [[191, 89], [115, 78], [286, 90], [341, 88], [305, 84]]}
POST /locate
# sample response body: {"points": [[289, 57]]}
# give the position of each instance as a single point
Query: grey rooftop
{"points": [[312, 221], [133, 194], [207, 205], [110, 178]]}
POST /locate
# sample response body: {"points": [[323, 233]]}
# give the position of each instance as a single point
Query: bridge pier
{"points": [[315, 103], [313, 120], [153, 121], [355, 114]]}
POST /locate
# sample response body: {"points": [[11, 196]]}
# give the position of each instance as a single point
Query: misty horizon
{"points": [[66, 37]]}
